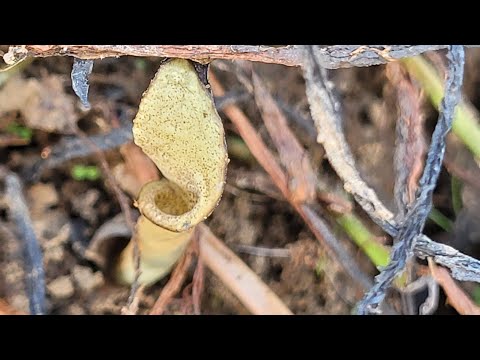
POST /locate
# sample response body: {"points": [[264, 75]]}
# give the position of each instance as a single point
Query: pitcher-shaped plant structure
{"points": [[178, 127]]}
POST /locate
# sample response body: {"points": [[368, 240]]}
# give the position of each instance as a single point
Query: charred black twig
{"points": [[35, 279], [414, 222]]}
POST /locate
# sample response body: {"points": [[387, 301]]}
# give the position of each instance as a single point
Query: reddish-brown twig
{"points": [[410, 143], [176, 281], [287, 55], [456, 296], [332, 56], [303, 182], [238, 277], [198, 283]]}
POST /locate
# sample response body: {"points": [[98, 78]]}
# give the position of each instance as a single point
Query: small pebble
{"points": [[85, 279], [61, 288], [75, 309]]}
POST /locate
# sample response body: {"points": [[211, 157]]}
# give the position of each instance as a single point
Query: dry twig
{"points": [[325, 113], [238, 277], [303, 182], [198, 282], [176, 281], [463, 267], [410, 149], [456, 296], [410, 145], [331, 57]]}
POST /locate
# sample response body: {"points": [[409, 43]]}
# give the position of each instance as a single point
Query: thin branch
{"points": [[198, 281], [415, 219], [325, 113], [410, 149], [35, 279], [287, 55], [463, 267], [456, 296], [330, 57], [176, 280], [262, 251], [263, 155], [238, 277], [410, 144], [303, 181], [341, 56]]}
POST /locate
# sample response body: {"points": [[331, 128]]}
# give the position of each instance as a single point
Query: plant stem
{"points": [[457, 203], [365, 240], [465, 123], [378, 254], [441, 220]]}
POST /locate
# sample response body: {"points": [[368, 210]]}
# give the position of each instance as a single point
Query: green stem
{"points": [[441, 220], [465, 123], [457, 203], [377, 253]]}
